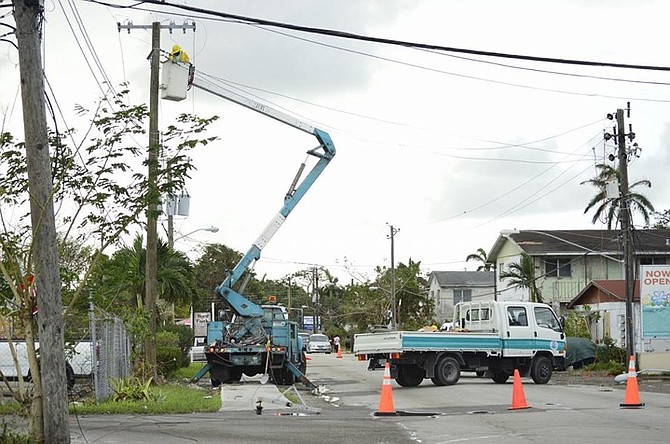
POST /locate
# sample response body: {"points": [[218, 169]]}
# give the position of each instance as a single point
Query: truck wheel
{"points": [[235, 375], [500, 376], [447, 371], [410, 375], [541, 370], [219, 374], [284, 376], [303, 364]]}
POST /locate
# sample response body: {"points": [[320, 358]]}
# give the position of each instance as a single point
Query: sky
{"points": [[447, 148]]}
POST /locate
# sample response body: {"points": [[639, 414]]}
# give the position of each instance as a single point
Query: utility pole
{"points": [[153, 196], [315, 299], [51, 388], [394, 315], [624, 216]]}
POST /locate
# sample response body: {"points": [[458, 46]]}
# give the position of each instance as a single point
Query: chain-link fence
{"points": [[111, 359], [99, 349]]}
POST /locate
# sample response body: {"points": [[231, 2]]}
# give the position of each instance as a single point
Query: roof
{"points": [[613, 290], [580, 242], [464, 278]]}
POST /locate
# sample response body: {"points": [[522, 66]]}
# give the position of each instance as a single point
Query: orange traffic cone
{"points": [[339, 351], [518, 397], [386, 407], [632, 400]]}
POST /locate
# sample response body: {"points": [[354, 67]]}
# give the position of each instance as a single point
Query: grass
{"points": [[186, 373], [173, 397], [166, 399]]}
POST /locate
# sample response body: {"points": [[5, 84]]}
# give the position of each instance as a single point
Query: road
{"points": [[474, 410]]}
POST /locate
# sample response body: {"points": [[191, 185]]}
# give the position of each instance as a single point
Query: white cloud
{"points": [[398, 118]]}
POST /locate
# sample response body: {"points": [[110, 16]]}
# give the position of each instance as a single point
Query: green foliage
{"points": [[608, 207], [133, 389], [662, 219], [609, 352], [168, 354], [123, 279], [480, 256], [576, 324], [188, 372], [611, 368], [185, 339], [210, 270], [9, 437], [368, 305], [171, 399]]}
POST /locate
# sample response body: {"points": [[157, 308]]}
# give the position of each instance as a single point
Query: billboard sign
{"points": [[655, 300]]}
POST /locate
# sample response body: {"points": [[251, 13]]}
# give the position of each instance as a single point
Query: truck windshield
{"points": [[547, 319]]}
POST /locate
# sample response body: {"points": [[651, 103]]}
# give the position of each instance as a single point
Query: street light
{"points": [[210, 229]]}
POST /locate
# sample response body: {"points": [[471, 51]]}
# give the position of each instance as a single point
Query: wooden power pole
{"points": [[624, 217], [153, 196], [29, 18]]}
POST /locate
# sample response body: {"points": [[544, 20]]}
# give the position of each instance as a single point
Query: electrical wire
{"points": [[261, 24], [394, 42]]}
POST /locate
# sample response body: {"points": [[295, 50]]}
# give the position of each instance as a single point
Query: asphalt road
{"points": [[475, 410]]}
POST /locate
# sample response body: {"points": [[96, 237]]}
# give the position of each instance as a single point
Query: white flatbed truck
{"points": [[490, 338]]}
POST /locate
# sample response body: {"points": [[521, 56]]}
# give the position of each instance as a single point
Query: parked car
{"points": [[319, 343]]}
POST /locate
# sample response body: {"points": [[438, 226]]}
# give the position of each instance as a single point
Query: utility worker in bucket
{"points": [[178, 55]]}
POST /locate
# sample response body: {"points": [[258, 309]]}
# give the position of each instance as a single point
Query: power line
{"points": [[394, 42]]}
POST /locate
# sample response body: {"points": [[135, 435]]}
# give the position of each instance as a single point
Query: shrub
{"points": [[132, 389], [576, 323], [185, 338], [168, 354], [609, 352], [8, 436]]}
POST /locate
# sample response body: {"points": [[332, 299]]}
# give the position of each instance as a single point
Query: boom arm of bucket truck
{"points": [[324, 152]]}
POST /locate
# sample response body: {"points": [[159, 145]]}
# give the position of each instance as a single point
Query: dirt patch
{"points": [[646, 383]]}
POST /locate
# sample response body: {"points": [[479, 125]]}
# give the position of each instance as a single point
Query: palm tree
{"points": [[522, 275], [480, 256], [610, 206], [125, 274]]}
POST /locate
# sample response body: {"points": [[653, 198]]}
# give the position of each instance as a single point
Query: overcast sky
{"points": [[449, 148]]}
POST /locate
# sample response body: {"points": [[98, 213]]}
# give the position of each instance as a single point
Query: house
{"points": [[566, 261], [447, 288], [606, 299]]}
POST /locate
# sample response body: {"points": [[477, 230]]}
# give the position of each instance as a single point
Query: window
{"points": [[653, 260], [546, 318], [478, 314], [517, 317], [462, 296], [557, 267]]}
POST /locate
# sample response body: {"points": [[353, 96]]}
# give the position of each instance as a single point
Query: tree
{"points": [[99, 198], [522, 275], [211, 269], [609, 207], [479, 256], [367, 304], [123, 278], [662, 220]]}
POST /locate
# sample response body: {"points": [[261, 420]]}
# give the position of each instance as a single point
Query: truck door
{"points": [[519, 338], [548, 331]]}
